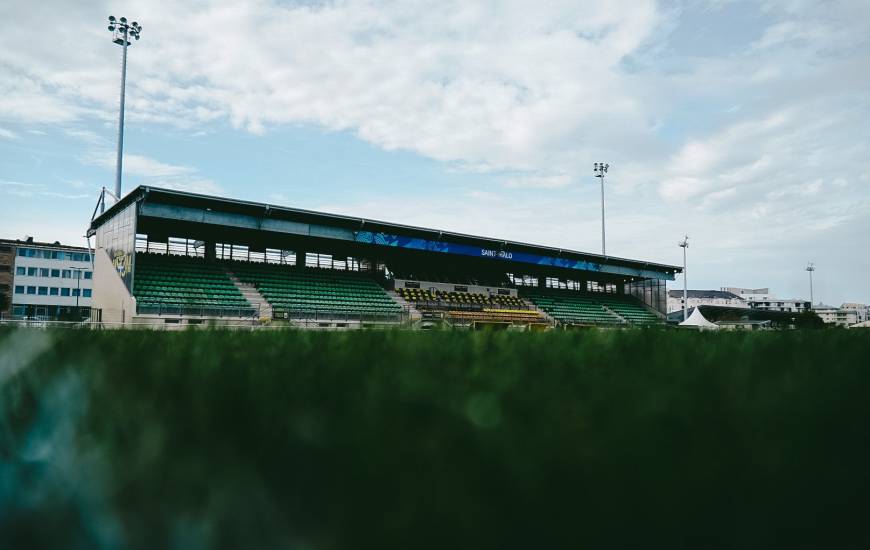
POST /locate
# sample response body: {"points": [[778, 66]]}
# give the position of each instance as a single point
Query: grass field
{"points": [[623, 439]]}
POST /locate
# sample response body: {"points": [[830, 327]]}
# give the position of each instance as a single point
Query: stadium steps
{"points": [[550, 319], [615, 313], [631, 309], [253, 296], [414, 314]]}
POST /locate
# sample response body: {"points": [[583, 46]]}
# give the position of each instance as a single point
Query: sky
{"points": [[745, 125]]}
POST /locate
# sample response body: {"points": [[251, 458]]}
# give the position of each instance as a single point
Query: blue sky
{"points": [[743, 124]]}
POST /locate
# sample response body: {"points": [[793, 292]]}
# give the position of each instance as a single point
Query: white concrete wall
{"points": [[110, 294]]}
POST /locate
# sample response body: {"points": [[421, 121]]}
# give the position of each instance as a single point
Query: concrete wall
{"points": [[110, 293]]}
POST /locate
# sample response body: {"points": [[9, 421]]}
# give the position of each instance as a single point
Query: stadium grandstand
{"points": [[174, 258]]}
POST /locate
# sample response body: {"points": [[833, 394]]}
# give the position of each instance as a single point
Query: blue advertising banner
{"points": [[386, 239]]}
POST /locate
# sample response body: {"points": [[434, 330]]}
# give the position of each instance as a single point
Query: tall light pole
{"points": [[684, 244], [811, 268], [599, 170], [121, 34], [78, 272]]}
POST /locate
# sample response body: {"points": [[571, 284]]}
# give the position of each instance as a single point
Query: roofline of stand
{"points": [[142, 192]]}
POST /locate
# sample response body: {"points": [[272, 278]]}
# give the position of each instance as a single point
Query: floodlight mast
{"points": [[684, 244], [811, 267], [600, 169], [122, 31]]}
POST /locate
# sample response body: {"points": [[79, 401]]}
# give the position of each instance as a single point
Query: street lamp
{"points": [[811, 268], [684, 244], [78, 288], [599, 170], [121, 33]]}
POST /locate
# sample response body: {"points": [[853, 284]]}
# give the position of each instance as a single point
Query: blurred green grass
{"points": [[216, 439]]}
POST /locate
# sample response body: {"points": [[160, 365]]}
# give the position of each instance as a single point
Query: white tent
{"points": [[696, 319]]}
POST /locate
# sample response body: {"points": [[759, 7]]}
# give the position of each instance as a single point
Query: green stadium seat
{"points": [[170, 283], [307, 293]]}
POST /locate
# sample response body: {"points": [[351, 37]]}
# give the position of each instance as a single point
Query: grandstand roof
{"points": [[168, 206]]}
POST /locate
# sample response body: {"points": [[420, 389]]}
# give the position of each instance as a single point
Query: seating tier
{"points": [[630, 309], [470, 306], [166, 280], [592, 309], [305, 291]]}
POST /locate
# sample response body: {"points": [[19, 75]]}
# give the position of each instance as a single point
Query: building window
{"points": [[31, 290], [89, 275], [66, 274], [32, 271], [19, 289], [64, 292], [20, 271], [75, 292], [86, 292], [44, 272], [43, 291], [53, 291], [55, 273]]}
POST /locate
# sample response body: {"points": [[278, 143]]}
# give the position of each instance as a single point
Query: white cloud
{"points": [[467, 83], [140, 169], [86, 136], [7, 134], [137, 165], [26, 189], [539, 181], [191, 184]]}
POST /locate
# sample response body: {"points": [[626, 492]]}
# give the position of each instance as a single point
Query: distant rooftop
{"points": [[704, 294], [28, 241]]}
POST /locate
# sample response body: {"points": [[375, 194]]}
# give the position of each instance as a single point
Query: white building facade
{"points": [[761, 298], [704, 298], [844, 316], [51, 281]]}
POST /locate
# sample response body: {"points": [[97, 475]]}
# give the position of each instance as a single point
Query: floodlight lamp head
{"points": [[123, 20], [112, 18]]}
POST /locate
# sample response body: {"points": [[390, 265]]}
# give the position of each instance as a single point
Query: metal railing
{"points": [[196, 310], [327, 315], [464, 306]]}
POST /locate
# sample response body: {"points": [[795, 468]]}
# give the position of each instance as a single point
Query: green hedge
{"points": [[623, 439]]}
